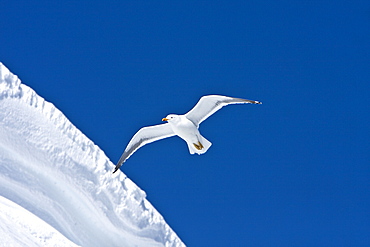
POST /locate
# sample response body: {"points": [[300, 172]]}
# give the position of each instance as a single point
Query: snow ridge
{"points": [[9, 83], [52, 169]]}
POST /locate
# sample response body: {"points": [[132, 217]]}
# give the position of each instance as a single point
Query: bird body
{"points": [[185, 126], [189, 132]]}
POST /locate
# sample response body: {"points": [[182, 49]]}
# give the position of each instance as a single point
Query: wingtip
{"points": [[116, 169], [258, 102]]}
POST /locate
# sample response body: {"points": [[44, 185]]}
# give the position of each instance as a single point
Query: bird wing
{"points": [[207, 105], [144, 136]]}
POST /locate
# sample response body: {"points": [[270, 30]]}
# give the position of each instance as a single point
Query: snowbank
{"points": [[54, 171]]}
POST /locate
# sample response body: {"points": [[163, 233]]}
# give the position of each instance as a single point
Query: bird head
{"points": [[170, 117]]}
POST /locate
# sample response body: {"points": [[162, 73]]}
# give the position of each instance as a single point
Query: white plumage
{"points": [[185, 126]]}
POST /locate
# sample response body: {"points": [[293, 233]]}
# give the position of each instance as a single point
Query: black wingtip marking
{"points": [[116, 169]]}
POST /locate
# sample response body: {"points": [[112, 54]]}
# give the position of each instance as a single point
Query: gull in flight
{"points": [[185, 126]]}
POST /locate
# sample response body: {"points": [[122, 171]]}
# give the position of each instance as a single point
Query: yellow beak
{"points": [[164, 119]]}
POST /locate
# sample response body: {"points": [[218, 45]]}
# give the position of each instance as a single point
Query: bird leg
{"points": [[198, 146]]}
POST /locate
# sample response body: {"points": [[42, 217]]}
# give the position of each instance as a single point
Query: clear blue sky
{"points": [[291, 172]]}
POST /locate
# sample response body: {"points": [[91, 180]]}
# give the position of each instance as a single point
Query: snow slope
{"points": [[53, 171], [30, 230]]}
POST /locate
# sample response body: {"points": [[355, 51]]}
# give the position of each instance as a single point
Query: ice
{"points": [[52, 170]]}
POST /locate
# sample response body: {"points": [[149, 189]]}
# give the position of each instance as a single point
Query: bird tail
{"points": [[201, 147]]}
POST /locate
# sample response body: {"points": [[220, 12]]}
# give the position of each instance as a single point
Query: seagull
{"points": [[185, 126]]}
